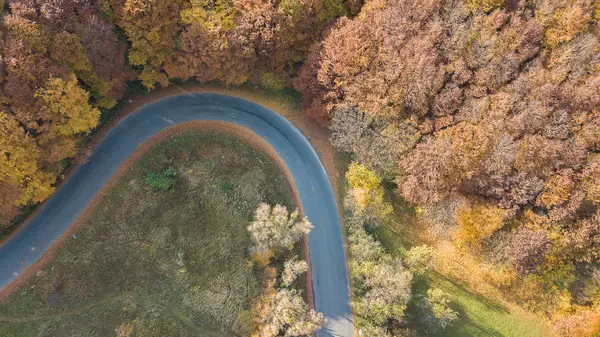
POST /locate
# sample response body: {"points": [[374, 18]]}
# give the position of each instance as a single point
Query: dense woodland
{"points": [[485, 114], [65, 61]]}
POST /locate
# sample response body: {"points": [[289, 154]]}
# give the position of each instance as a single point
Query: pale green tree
{"points": [[288, 315], [435, 312], [274, 228], [419, 259], [292, 268]]}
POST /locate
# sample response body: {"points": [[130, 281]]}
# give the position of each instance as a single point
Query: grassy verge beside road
{"points": [[164, 254]]}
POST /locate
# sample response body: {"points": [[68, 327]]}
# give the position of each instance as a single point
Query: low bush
{"points": [[161, 181]]}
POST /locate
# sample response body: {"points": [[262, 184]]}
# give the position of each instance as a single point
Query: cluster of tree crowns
{"points": [[64, 61], [486, 114], [485, 109]]}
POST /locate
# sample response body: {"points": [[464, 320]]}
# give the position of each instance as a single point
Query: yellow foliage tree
{"points": [[359, 176], [366, 191], [69, 49], [212, 14], [69, 106], [556, 190], [100, 86], [151, 27], [18, 162], [479, 222], [566, 24], [29, 31], [149, 76], [484, 5]]}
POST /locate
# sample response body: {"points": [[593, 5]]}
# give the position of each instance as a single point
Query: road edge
{"points": [[238, 131]]}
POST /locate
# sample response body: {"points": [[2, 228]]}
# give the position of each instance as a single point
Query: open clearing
{"points": [[170, 262]]}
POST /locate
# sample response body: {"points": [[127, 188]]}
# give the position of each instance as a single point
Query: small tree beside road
{"points": [[274, 228], [291, 269], [281, 309]]}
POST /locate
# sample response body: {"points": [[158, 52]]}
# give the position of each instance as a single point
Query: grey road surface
{"points": [[328, 260]]}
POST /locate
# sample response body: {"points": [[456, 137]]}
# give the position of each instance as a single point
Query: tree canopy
{"points": [[491, 107], [482, 114]]}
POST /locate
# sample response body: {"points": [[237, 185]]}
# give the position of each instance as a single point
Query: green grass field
{"points": [[171, 262]]}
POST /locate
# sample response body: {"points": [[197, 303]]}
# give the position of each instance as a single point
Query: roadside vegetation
{"points": [[480, 117], [383, 283], [166, 252], [386, 250], [483, 119], [281, 310]]}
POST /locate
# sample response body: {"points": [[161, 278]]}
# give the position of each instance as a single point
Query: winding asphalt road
{"points": [[328, 259]]}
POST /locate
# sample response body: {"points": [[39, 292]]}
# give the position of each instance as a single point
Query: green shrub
{"points": [[65, 163], [335, 9], [226, 186], [161, 181], [272, 82]]}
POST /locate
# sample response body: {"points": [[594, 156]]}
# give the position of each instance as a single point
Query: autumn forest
{"points": [[483, 115]]}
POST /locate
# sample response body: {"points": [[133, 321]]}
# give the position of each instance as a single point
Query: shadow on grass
{"points": [[461, 289], [467, 324], [468, 327]]}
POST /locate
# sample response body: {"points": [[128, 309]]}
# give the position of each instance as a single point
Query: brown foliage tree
{"points": [[383, 61], [506, 96], [523, 248], [374, 142]]}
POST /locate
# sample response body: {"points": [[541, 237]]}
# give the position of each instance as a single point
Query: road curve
{"points": [[328, 259]]}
